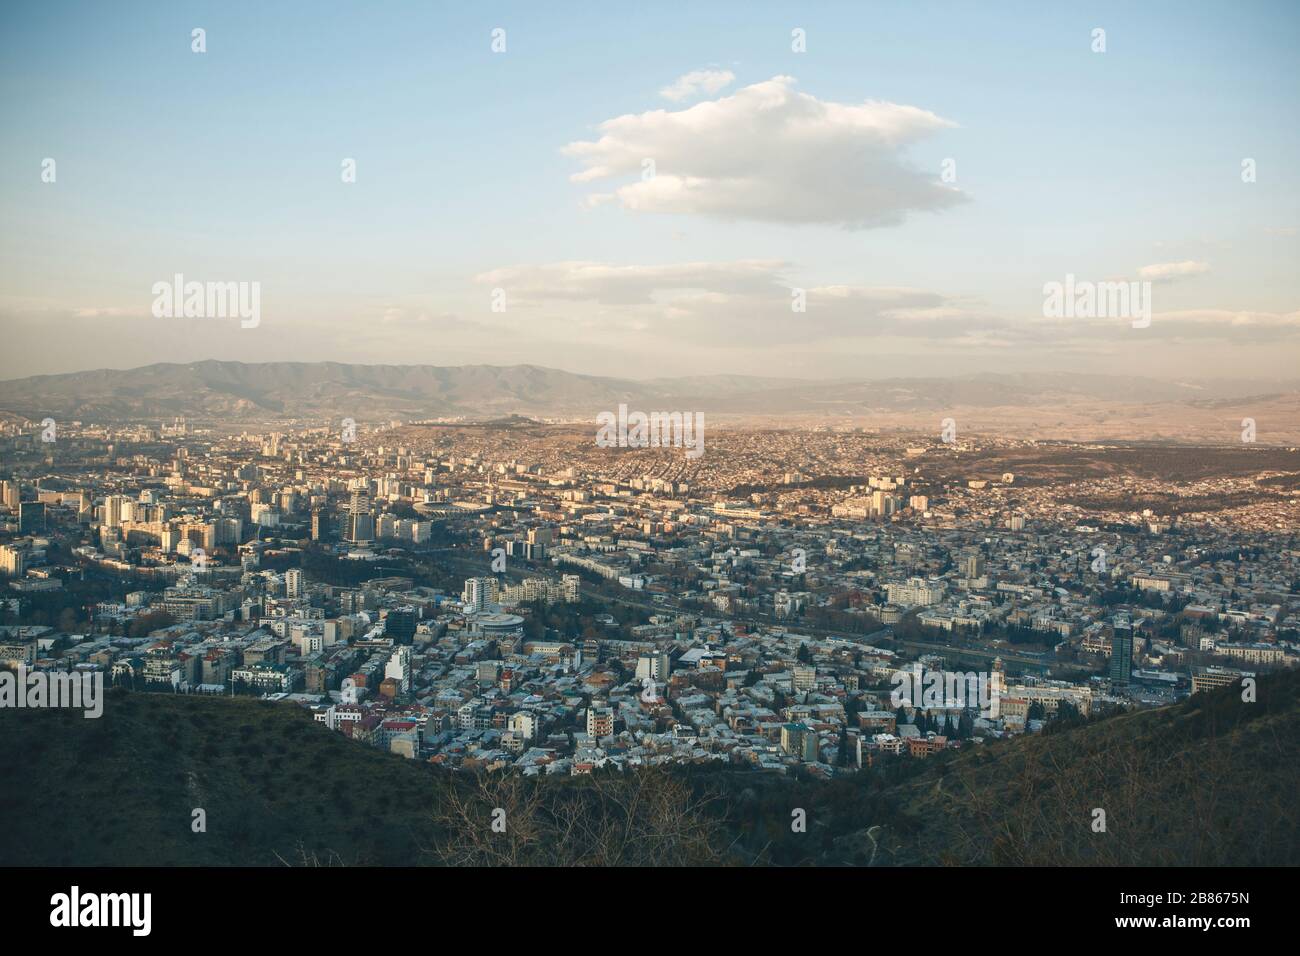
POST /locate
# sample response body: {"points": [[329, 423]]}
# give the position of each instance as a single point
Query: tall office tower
{"points": [[1121, 654], [479, 593], [399, 624], [361, 527], [293, 583], [973, 566], [113, 511], [361, 523], [317, 525], [31, 517], [11, 494]]}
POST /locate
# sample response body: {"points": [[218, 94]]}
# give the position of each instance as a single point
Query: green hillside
{"points": [[1212, 781]]}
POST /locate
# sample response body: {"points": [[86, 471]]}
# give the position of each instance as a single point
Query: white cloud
{"points": [[770, 153], [1172, 271], [696, 82]]}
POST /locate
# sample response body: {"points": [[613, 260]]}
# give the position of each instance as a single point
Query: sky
{"points": [[816, 190]]}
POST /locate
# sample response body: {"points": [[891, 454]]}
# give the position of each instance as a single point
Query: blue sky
{"points": [[225, 166]]}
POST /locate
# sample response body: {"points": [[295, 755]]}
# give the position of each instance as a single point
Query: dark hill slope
{"points": [[1212, 781]]}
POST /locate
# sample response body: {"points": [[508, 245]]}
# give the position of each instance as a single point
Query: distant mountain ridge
{"points": [[240, 391]]}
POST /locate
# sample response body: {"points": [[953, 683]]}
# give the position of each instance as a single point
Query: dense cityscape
{"points": [[513, 595]]}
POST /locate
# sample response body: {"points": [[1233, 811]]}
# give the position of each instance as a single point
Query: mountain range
{"points": [[250, 392]]}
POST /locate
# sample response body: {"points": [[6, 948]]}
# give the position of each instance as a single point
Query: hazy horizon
{"points": [[413, 185], [1292, 381]]}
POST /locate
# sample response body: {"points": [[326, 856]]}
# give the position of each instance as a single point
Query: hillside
{"points": [[1209, 782]]}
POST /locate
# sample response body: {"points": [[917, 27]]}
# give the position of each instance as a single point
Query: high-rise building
{"points": [[479, 593], [361, 522], [398, 669], [11, 493], [1121, 654], [654, 666], [799, 740], [31, 517], [293, 583], [13, 561], [113, 506], [600, 722], [400, 624]]}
